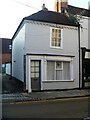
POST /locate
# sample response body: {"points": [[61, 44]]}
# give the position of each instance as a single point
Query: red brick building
{"points": [[5, 52]]}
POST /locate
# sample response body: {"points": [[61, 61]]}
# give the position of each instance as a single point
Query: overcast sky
{"points": [[12, 12]]}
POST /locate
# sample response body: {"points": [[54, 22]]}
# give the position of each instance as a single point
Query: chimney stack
{"points": [[57, 6], [61, 5], [64, 4]]}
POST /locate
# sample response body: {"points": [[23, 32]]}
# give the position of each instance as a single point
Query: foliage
{"points": [[77, 17]]}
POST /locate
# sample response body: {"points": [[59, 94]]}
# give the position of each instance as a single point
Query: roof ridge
{"points": [[78, 7]]}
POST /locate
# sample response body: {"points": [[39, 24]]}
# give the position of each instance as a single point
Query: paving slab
{"points": [[44, 95]]}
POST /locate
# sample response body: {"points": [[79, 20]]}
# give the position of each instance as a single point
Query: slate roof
{"points": [[55, 17], [58, 18], [76, 10], [51, 17]]}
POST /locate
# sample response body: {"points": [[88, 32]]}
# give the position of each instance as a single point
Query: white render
{"points": [[18, 54], [38, 39], [84, 22], [34, 38], [89, 32]]}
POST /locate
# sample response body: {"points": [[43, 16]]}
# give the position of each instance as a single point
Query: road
{"points": [[59, 108]]}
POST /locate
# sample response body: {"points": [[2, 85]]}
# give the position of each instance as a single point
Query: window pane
{"points": [[56, 37], [52, 33], [58, 44], [58, 74], [32, 63], [66, 70], [32, 69], [37, 75], [32, 75], [52, 30], [59, 31], [36, 69], [50, 70], [36, 63], [58, 65], [52, 42], [55, 31]]}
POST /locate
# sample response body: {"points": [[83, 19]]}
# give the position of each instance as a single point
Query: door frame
{"points": [[30, 57], [39, 87]]}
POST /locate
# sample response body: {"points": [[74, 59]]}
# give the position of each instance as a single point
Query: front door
{"points": [[35, 75]]}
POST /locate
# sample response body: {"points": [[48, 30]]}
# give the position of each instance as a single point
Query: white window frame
{"points": [[61, 44], [62, 60], [58, 69], [56, 65]]}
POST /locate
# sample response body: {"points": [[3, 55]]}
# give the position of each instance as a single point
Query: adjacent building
{"points": [[5, 55]]}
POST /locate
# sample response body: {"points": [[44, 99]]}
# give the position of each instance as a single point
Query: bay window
{"points": [[58, 70]]}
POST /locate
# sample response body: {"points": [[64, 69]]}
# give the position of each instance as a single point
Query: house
{"points": [[46, 49], [5, 55]]}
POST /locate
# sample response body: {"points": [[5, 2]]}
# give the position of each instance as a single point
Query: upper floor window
{"points": [[10, 47], [56, 37]]}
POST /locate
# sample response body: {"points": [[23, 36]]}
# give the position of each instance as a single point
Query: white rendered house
{"points": [[45, 53]]}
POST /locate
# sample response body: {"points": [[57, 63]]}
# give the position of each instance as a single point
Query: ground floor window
{"points": [[58, 70]]}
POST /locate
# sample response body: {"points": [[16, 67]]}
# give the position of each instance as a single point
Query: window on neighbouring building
{"points": [[58, 70], [10, 47], [56, 37]]}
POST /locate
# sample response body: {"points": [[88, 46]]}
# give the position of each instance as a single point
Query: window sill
{"points": [[58, 81], [52, 47]]}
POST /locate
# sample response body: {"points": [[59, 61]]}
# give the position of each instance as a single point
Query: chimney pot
{"points": [[44, 8]]}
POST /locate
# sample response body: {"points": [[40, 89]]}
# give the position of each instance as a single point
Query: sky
{"points": [[13, 11]]}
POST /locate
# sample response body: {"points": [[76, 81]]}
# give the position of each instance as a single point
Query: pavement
{"points": [[12, 91], [45, 95]]}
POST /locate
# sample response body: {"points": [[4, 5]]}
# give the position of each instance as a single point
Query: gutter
{"points": [[11, 61]]}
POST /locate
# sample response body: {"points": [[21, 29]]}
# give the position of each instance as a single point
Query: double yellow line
{"points": [[51, 100]]}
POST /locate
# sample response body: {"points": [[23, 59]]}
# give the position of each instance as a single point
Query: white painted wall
{"points": [[38, 40], [18, 54], [84, 32], [89, 33]]}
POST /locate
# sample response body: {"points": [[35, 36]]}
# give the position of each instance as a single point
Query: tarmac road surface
{"points": [[60, 108]]}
